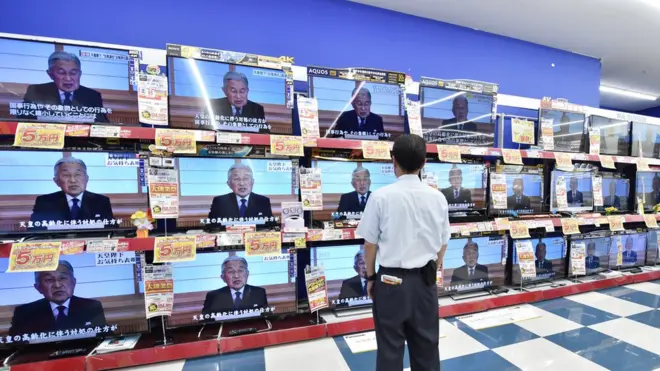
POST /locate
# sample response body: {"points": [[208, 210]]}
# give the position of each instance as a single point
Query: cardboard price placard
{"points": [[317, 288], [286, 145], [607, 161], [308, 112], [526, 258], [502, 224], [570, 226], [619, 251], [547, 134], [564, 161], [263, 243], [498, 191], [182, 141], [597, 185], [44, 136], [643, 164], [519, 230], [594, 141], [163, 193], [34, 256], [376, 150], [158, 290], [560, 193], [175, 249], [413, 110], [512, 156], [578, 266], [522, 131], [650, 220], [310, 188], [616, 222], [449, 153]]}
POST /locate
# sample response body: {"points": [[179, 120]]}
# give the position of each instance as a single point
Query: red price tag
{"points": [[34, 256]]}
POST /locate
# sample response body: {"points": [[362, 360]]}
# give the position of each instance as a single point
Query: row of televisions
{"points": [[205, 289], [210, 89]]}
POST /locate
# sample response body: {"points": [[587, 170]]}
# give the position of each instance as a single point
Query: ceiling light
{"points": [[627, 93]]}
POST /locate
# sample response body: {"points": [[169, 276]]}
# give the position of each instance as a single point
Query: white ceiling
{"points": [[624, 34]]}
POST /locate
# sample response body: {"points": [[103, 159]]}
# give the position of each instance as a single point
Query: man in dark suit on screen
{"points": [[542, 265], [59, 309], [74, 201], [360, 119], [591, 261], [356, 201], [574, 196], [518, 201], [456, 194], [612, 200], [241, 202], [355, 287], [236, 103], [471, 272], [629, 256], [460, 120], [65, 71], [237, 295]]}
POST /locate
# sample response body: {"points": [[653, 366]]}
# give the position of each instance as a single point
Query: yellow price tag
{"points": [[449, 153], [182, 141], [570, 226], [175, 249], [300, 242], [512, 156], [376, 150], [643, 164], [607, 161], [594, 141], [34, 256], [522, 131], [44, 136], [285, 145], [564, 161], [651, 221], [263, 243], [502, 224], [519, 230], [616, 222]]}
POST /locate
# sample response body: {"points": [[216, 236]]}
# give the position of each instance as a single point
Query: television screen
{"points": [[579, 191], [358, 104], [597, 252], [220, 192], [224, 286], [616, 192], [550, 262], [68, 191], [648, 188], [652, 252], [568, 129], [645, 138], [614, 135], [452, 116], [88, 295], [524, 194], [634, 249], [474, 263], [58, 82], [464, 185]]}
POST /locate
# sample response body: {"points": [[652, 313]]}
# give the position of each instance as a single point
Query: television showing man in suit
{"points": [[518, 201], [73, 201], [456, 194], [356, 201], [237, 295], [236, 102], [471, 272], [65, 70], [629, 256], [542, 265], [360, 118], [241, 202], [355, 287], [460, 121], [591, 261], [612, 200], [653, 197], [574, 196], [60, 309]]}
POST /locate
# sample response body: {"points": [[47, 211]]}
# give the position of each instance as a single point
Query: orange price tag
{"points": [[502, 224], [72, 247], [34, 256], [449, 153], [376, 150], [564, 161], [183, 141], [205, 241], [175, 249], [643, 164], [263, 243], [519, 230], [45, 136], [616, 222], [570, 226], [651, 221], [512, 156], [77, 130], [607, 161], [287, 145]]}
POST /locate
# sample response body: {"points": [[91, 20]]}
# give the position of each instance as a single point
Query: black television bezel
{"points": [[636, 194], [583, 145], [612, 175], [485, 182], [494, 212], [628, 232], [553, 193], [515, 276], [590, 126], [634, 152], [596, 234]]}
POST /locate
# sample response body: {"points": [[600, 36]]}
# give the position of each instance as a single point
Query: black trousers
{"points": [[406, 312]]}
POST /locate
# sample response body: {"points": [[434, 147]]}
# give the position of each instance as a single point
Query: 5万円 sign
{"points": [[34, 256], [44, 136], [263, 243]]}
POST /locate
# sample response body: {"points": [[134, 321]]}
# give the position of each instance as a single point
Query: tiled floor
{"points": [[613, 329]]}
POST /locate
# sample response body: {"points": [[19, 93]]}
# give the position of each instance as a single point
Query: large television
{"points": [[647, 188], [228, 91], [464, 185], [220, 192], [579, 191], [359, 103], [227, 286], [524, 191], [458, 112], [474, 264], [550, 262], [72, 302], [597, 246], [652, 248], [634, 249], [614, 135], [616, 192], [645, 140], [568, 129], [61, 191], [60, 82]]}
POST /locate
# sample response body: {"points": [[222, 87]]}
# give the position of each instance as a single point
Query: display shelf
{"points": [[68, 364]]}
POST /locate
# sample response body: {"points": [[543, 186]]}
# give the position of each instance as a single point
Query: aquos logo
{"points": [[318, 71], [429, 82]]}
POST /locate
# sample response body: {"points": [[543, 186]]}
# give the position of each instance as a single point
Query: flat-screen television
{"points": [[550, 262], [616, 192], [568, 129], [464, 185], [614, 135], [474, 263], [458, 112], [358, 103], [645, 139], [647, 188], [88, 295], [58, 191], [579, 191], [225, 286], [597, 251], [524, 191], [227, 91], [652, 251], [634, 249], [60, 82], [221, 192]]}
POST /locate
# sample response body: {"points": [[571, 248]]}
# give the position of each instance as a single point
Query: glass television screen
{"points": [[616, 192], [221, 192], [464, 185], [457, 117], [568, 129], [474, 263], [597, 258], [614, 135], [524, 194], [550, 262], [648, 188], [652, 252], [224, 286], [579, 191], [633, 249], [645, 138], [72, 302], [57, 82], [228, 97], [68, 191]]}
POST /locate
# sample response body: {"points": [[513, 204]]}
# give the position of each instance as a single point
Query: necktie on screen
{"points": [[237, 300], [237, 111], [455, 193], [67, 99], [362, 201], [471, 273], [61, 316], [518, 200], [364, 289], [241, 210], [361, 121], [75, 209]]}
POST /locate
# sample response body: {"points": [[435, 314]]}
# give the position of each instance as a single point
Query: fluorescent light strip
{"points": [[627, 93]]}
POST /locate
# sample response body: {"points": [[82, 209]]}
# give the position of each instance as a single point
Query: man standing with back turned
{"points": [[405, 227]]}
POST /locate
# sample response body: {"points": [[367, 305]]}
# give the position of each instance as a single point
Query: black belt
{"points": [[403, 270]]}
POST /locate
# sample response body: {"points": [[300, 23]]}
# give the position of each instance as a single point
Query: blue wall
{"points": [[653, 111], [323, 32]]}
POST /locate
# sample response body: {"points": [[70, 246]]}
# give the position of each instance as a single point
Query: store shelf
{"points": [[68, 364]]}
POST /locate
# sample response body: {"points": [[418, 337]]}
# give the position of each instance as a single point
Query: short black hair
{"points": [[409, 151]]}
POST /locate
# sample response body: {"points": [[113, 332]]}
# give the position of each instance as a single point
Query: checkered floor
{"points": [[613, 329]]}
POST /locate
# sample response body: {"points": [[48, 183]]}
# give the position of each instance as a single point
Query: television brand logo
{"points": [[317, 71]]}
